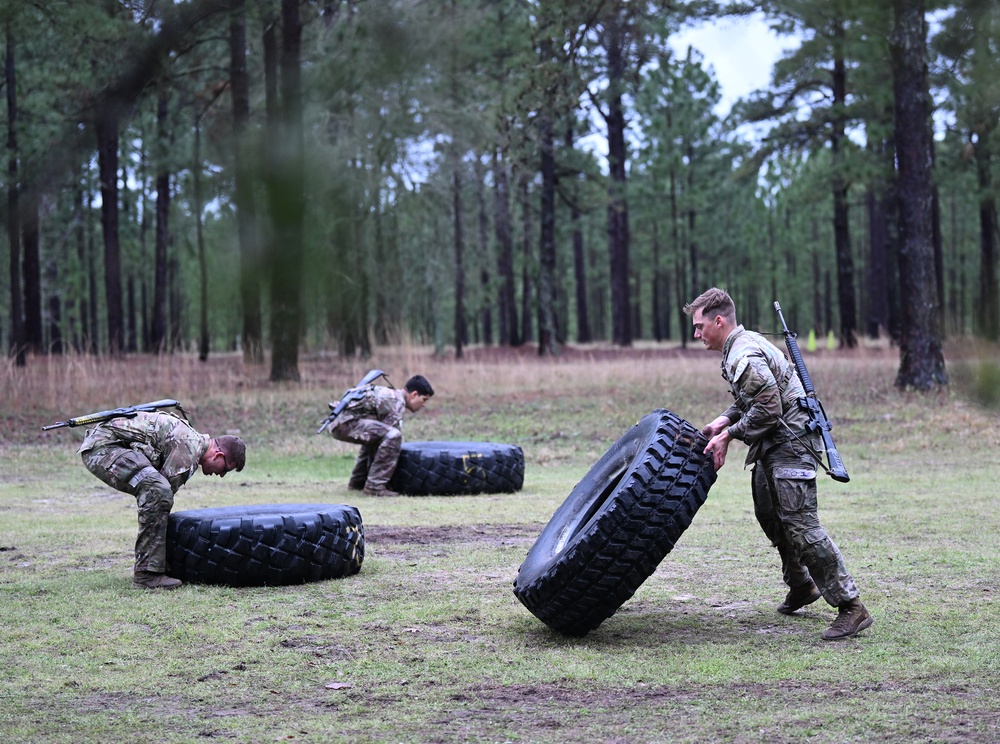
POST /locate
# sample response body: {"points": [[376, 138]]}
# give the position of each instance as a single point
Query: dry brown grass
{"points": [[617, 385]]}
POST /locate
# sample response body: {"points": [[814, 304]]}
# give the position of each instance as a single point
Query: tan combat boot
{"points": [[853, 618], [379, 491], [798, 597], [150, 580]]}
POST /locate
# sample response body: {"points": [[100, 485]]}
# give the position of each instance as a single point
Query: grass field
{"points": [[428, 643]]}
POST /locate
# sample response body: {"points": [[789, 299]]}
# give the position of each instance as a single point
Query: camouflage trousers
{"points": [[129, 471], [380, 446], [784, 498]]}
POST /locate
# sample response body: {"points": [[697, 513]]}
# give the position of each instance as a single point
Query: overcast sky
{"points": [[741, 51]]}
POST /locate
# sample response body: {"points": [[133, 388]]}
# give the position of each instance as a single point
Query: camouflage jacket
{"points": [[765, 388], [375, 402], [169, 443]]}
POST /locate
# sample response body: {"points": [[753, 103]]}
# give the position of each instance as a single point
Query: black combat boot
{"points": [[798, 597], [150, 580], [853, 618]]}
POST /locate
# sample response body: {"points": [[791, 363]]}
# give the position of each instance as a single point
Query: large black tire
{"points": [[616, 525], [451, 468], [272, 545]]}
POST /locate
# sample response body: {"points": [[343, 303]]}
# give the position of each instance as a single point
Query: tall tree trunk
{"points": [[176, 339], [459, 244], [937, 242], [145, 328], [681, 291], [584, 335], [56, 344], [817, 274], [32, 276], [485, 313], [131, 310], [547, 337], [878, 268], [506, 304], [989, 302], [285, 187], [692, 236], [160, 262], [921, 358], [526, 274], [382, 250], [618, 236], [246, 210], [107, 157], [199, 232], [81, 342], [583, 332], [841, 226], [17, 340], [92, 289]]}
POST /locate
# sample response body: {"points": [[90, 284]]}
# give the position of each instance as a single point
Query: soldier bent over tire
{"points": [[150, 456]]}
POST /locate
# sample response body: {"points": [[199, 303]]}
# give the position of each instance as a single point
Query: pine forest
{"points": [[269, 177]]}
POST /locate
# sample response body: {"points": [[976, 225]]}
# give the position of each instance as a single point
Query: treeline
{"points": [[271, 175]]}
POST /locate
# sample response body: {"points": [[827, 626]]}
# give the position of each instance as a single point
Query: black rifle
{"points": [[127, 412], [818, 420], [351, 394]]}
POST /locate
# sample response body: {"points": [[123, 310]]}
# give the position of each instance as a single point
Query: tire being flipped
{"points": [[265, 545], [454, 468], [616, 525]]}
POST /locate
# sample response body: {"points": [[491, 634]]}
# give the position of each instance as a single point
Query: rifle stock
{"points": [[818, 420]]}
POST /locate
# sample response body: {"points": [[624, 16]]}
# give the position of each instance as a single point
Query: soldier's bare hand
{"points": [[716, 426], [718, 447]]}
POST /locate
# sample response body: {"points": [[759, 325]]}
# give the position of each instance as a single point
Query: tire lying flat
{"points": [[453, 468], [616, 525], [272, 545]]}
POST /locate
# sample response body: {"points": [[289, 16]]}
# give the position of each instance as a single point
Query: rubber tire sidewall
{"points": [[458, 468], [265, 544], [617, 524]]}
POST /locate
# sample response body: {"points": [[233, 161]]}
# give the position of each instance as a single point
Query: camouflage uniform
{"points": [[149, 456], [766, 389], [375, 421]]}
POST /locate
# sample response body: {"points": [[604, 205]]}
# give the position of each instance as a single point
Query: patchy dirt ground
{"points": [[491, 534]]}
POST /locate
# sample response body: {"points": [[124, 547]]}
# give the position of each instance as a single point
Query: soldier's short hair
{"points": [[418, 384], [713, 302], [234, 449]]}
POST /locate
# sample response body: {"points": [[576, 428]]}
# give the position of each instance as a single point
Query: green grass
{"points": [[428, 643]]}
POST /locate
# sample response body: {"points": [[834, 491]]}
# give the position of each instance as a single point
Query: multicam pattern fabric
{"points": [[377, 402], [374, 421], [149, 456], [765, 389]]}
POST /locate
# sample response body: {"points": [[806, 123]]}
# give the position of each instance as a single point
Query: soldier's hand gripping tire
{"points": [[616, 525], [272, 545]]}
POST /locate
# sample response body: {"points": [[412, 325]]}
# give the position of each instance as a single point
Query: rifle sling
{"points": [[809, 448]]}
